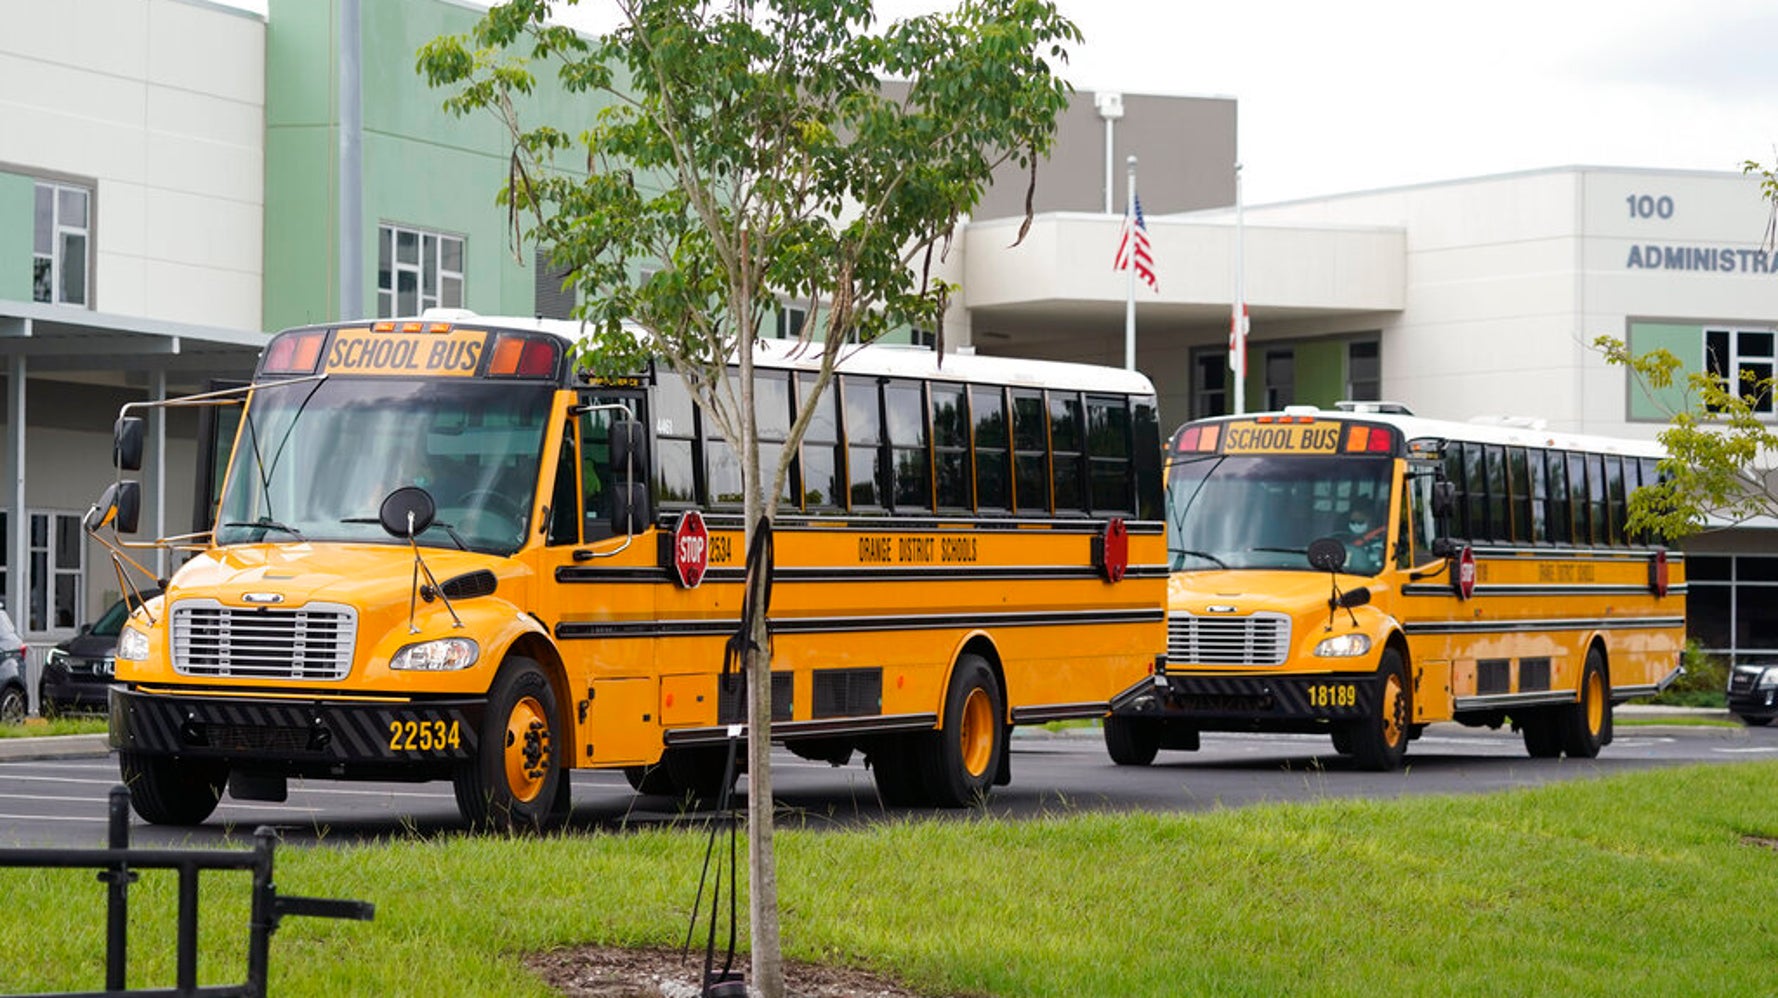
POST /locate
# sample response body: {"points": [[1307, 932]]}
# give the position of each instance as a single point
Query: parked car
{"points": [[1753, 693], [77, 673], [13, 702]]}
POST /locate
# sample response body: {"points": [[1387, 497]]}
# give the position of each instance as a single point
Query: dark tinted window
{"points": [[904, 413], [993, 474], [864, 437], [1030, 433], [1065, 452], [821, 456], [950, 447], [1108, 454]]}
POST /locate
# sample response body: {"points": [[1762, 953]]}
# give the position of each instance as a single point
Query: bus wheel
{"points": [[1342, 739], [1132, 741], [695, 772], [894, 762], [962, 758], [169, 791], [1379, 741], [1586, 725], [515, 780], [1542, 733]]}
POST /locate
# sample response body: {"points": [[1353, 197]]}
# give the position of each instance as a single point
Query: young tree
{"points": [[749, 151]]}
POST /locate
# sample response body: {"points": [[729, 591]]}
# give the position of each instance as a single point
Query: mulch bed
{"points": [[613, 972]]}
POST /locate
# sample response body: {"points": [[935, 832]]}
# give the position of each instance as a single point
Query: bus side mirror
{"points": [[627, 447], [1444, 547], [1444, 498], [119, 507], [629, 508], [126, 443]]}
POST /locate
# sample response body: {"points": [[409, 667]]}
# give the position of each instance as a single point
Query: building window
{"points": [[790, 323], [417, 270], [1364, 371], [55, 581], [1210, 380], [1280, 378], [61, 248], [552, 299], [1729, 607], [1743, 357]]}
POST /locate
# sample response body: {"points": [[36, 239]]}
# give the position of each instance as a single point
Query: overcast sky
{"points": [[1374, 93]]}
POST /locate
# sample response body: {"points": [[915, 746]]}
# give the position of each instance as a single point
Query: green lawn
{"points": [[36, 727], [1649, 883]]}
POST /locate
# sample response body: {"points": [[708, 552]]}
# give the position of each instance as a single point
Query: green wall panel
{"points": [[18, 223], [1321, 373], [1683, 341], [300, 222]]}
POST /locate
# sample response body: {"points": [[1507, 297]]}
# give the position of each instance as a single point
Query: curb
{"points": [[54, 747]]}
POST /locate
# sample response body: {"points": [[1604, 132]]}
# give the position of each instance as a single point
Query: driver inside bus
{"points": [[1363, 536]]}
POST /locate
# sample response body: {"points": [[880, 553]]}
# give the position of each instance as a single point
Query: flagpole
{"points": [[1130, 296], [1238, 313]]}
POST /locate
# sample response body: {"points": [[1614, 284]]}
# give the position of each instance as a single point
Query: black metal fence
{"points": [[118, 866]]}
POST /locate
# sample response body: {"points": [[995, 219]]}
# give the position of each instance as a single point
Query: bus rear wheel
{"points": [[1541, 729], [1585, 725], [169, 791], [1379, 741], [961, 759], [516, 779], [1132, 741]]}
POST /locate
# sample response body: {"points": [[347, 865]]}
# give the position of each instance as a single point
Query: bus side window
{"points": [[563, 527], [904, 412], [1419, 526], [1066, 447], [1030, 436], [676, 441], [993, 481], [864, 436]]}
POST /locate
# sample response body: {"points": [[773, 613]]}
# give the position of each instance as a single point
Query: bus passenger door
{"points": [[596, 593], [1428, 600]]}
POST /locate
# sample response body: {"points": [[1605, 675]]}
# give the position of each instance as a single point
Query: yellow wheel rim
{"points": [[527, 749], [1393, 713], [1595, 696], [975, 735]]}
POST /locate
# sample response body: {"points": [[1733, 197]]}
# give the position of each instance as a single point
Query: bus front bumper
{"points": [[1297, 702], [417, 739]]}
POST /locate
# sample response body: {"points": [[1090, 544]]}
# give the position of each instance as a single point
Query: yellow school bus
{"points": [[442, 551], [1362, 574]]}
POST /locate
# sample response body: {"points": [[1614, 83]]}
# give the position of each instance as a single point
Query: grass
{"points": [[36, 727], [1673, 721], [1579, 887]]}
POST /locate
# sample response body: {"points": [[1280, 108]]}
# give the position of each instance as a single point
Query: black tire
{"points": [[1542, 734], [1342, 739], [695, 773], [1755, 722], [959, 761], [894, 763], [516, 781], [14, 705], [1585, 725], [165, 790], [1380, 741], [1132, 741]]}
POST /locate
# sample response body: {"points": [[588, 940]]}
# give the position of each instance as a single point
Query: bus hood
{"points": [[290, 575], [1250, 590]]}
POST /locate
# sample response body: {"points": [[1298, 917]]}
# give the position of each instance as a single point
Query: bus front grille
{"points": [[1262, 639], [312, 642]]}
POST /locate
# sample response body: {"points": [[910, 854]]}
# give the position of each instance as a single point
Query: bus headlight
{"points": [[132, 645], [443, 655], [1343, 646]]}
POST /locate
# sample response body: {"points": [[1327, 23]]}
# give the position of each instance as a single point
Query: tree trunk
{"points": [[762, 865]]}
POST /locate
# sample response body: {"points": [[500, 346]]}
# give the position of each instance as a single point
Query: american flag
{"points": [[1135, 233]]}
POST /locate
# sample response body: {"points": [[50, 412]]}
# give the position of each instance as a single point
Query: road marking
{"points": [[52, 817], [1741, 751], [78, 800]]}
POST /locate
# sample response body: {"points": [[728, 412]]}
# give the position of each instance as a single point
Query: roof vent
{"points": [[1390, 408]]}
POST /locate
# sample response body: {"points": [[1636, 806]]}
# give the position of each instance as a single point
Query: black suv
{"points": [[77, 674], [1753, 693]]}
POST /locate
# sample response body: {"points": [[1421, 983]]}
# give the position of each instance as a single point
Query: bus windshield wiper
{"points": [[1207, 556], [266, 523], [461, 545], [1301, 551]]}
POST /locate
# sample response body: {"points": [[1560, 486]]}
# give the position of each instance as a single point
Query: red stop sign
{"points": [[691, 549], [1466, 572]]}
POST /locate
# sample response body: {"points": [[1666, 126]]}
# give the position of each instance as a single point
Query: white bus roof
{"points": [[1505, 433], [881, 359]]}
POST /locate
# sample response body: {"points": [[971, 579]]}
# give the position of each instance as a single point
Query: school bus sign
{"points": [[451, 355], [1281, 438]]}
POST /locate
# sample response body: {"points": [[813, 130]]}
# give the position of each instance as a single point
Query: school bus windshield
{"points": [[1261, 511], [315, 460]]}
